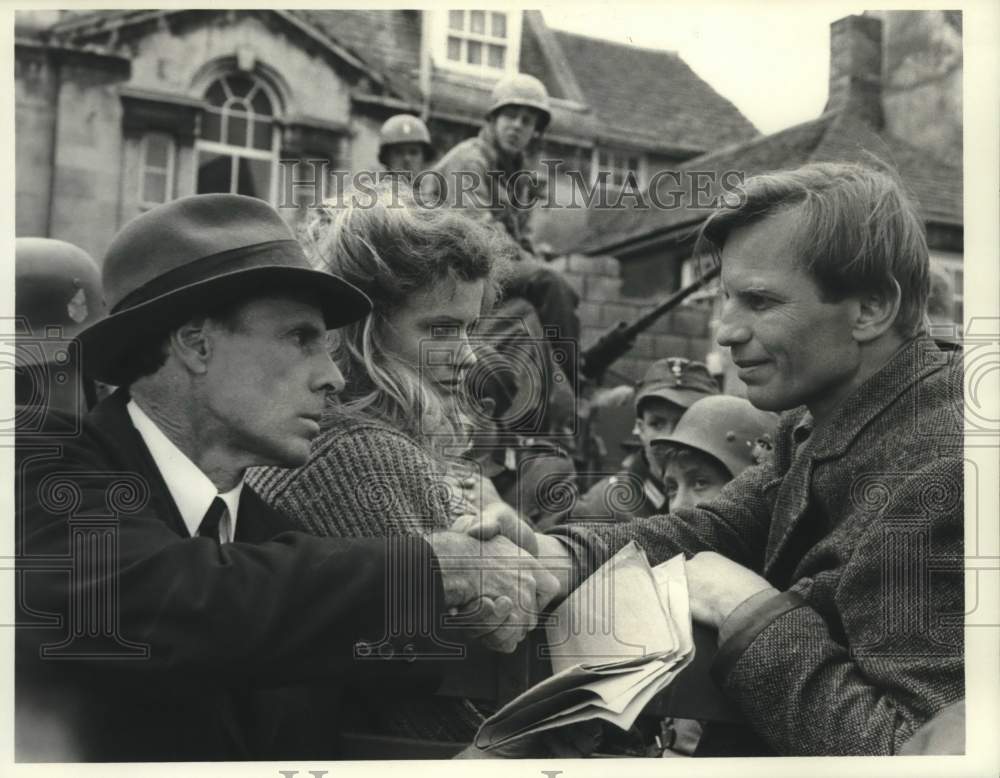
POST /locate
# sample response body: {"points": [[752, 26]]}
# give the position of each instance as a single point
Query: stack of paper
{"points": [[615, 642]]}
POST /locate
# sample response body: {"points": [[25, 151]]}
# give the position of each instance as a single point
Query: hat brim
{"points": [[683, 397], [684, 442], [107, 341]]}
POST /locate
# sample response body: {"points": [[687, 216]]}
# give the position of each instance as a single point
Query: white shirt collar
{"points": [[191, 490]]}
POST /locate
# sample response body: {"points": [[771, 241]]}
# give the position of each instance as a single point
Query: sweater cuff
{"points": [[743, 613], [752, 622], [587, 550]]}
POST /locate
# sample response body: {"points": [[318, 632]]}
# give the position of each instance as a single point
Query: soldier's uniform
{"points": [[504, 195], [635, 492]]}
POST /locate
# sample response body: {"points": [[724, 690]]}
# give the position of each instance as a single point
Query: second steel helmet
{"points": [[727, 428], [403, 128], [56, 284], [521, 89]]}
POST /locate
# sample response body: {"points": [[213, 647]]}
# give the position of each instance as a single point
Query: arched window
{"points": [[238, 140]]}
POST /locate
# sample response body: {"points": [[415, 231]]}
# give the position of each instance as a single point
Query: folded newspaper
{"points": [[617, 640]]}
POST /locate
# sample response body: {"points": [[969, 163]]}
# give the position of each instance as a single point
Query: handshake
{"points": [[494, 584]]}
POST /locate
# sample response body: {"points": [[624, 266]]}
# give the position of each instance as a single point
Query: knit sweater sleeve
{"points": [[361, 480]]}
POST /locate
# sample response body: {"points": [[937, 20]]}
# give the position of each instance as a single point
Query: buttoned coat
{"points": [[860, 525], [136, 642]]}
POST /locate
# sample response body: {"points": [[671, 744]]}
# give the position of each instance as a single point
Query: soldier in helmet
{"points": [[716, 439], [57, 294], [488, 177], [404, 145], [669, 387]]}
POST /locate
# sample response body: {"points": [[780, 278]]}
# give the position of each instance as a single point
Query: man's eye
{"points": [[757, 303], [700, 484]]}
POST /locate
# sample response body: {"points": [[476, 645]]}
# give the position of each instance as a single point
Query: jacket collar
{"points": [[914, 360]]}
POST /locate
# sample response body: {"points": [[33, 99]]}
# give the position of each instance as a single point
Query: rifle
{"points": [[620, 338]]}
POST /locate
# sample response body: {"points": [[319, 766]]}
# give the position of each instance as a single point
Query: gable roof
{"points": [[664, 102], [834, 136]]}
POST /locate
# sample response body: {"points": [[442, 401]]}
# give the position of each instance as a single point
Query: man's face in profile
{"points": [[267, 380], [791, 347]]}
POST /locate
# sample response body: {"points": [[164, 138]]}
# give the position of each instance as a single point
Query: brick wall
{"points": [[684, 332]]}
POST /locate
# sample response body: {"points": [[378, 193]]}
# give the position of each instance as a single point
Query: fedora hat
{"points": [[192, 255]]}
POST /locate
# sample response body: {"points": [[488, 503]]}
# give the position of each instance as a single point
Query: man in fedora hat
{"points": [[156, 591]]}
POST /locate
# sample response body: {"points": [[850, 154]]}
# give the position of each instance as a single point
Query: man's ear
{"points": [[192, 346], [876, 312]]}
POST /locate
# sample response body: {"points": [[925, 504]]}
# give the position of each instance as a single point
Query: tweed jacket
{"points": [[860, 525], [195, 627]]}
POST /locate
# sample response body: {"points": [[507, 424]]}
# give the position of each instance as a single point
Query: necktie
{"points": [[209, 527]]}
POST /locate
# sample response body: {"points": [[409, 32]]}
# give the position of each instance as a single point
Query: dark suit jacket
{"points": [[138, 642], [860, 524]]}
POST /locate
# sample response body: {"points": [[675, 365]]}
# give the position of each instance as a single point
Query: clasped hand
{"points": [[494, 586]]}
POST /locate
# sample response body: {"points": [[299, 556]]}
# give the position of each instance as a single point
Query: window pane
{"points": [[455, 21], [602, 160], [157, 151], [475, 53], [215, 95], [240, 86], [211, 125], [477, 22], [455, 49], [633, 163], [499, 28], [496, 56], [255, 178], [154, 187], [236, 132], [262, 104], [214, 172], [262, 135]]}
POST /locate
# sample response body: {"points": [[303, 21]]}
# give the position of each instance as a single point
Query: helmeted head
{"points": [[57, 292], [518, 110], [404, 144], [669, 387], [716, 439]]}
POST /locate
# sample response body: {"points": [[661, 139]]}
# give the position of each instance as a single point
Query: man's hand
{"points": [[718, 585], [494, 587], [499, 518]]}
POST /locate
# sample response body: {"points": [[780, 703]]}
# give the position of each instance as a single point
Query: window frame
{"points": [[272, 155], [617, 154], [170, 168], [441, 32]]}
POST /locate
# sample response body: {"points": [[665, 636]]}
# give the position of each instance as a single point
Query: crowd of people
{"points": [[304, 494]]}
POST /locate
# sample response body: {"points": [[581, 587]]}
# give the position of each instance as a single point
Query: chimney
{"points": [[856, 68]]}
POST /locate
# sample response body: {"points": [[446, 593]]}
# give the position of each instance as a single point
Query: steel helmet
{"points": [[727, 428], [56, 284], [403, 128], [521, 89]]}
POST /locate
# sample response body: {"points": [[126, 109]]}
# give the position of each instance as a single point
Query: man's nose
{"points": [[732, 329], [330, 379]]}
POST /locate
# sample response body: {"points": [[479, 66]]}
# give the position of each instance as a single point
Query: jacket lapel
{"points": [[830, 441]]}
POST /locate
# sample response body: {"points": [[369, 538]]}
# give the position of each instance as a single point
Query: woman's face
{"points": [[430, 332]]}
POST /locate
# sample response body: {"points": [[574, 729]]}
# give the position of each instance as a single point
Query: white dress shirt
{"points": [[191, 490]]}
